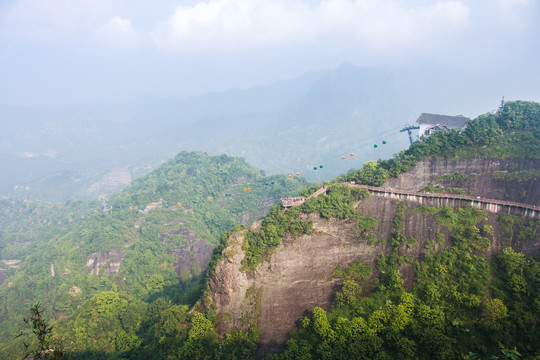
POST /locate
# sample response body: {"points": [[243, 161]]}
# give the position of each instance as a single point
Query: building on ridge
{"points": [[431, 123]]}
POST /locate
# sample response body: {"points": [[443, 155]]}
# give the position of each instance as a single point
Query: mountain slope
{"points": [[151, 240], [357, 272], [337, 280]]}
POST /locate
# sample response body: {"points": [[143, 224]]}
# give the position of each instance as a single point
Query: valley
{"points": [[433, 252]]}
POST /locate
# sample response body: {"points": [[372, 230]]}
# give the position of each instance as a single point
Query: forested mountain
{"points": [[152, 240], [348, 274], [416, 281]]}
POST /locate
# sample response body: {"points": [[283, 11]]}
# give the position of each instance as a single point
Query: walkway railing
{"points": [[287, 202]]}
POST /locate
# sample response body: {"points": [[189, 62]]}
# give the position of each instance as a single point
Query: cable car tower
{"points": [[408, 129]]}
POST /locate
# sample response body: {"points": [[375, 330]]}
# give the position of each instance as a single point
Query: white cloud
{"points": [[52, 18], [239, 24], [117, 34]]}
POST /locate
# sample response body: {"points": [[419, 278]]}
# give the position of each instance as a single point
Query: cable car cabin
{"points": [[294, 201]]}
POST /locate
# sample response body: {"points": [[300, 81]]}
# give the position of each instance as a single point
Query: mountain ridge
{"points": [[297, 276]]}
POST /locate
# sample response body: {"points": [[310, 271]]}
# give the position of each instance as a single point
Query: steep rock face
{"points": [[481, 181], [192, 258], [297, 278], [298, 275], [106, 261]]}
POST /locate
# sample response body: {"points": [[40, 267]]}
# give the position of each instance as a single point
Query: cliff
{"points": [[298, 275], [503, 179]]}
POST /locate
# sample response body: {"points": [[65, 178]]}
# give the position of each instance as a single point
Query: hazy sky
{"points": [[80, 51]]}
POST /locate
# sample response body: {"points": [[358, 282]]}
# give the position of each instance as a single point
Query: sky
{"points": [[59, 52]]}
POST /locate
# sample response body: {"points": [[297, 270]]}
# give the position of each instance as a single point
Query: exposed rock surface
{"points": [[481, 183], [106, 261], [192, 257], [298, 275], [14, 263]]}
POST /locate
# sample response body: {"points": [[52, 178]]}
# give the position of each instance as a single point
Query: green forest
{"points": [[164, 226], [465, 302]]}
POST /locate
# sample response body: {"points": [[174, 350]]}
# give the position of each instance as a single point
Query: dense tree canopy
{"points": [[462, 304]]}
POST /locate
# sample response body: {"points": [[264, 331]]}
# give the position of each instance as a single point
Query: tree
{"points": [[493, 312], [41, 329], [201, 339]]}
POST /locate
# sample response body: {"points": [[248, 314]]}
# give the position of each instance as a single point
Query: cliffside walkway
{"points": [[299, 200], [489, 205]]}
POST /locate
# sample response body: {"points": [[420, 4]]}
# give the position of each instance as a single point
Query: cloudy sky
{"points": [[87, 51]]}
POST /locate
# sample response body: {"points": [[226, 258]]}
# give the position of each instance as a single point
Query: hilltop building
{"points": [[431, 123]]}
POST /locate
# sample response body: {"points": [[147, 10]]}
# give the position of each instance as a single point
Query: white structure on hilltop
{"points": [[431, 123]]}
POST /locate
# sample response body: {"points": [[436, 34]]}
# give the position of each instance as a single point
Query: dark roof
{"points": [[458, 121]]}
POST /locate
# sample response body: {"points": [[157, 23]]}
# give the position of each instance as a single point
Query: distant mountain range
{"points": [[58, 153]]}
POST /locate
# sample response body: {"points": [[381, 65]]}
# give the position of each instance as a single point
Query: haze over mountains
{"points": [[64, 152]]}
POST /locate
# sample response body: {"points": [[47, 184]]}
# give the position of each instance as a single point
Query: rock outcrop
{"points": [[106, 261], [298, 275], [481, 178]]}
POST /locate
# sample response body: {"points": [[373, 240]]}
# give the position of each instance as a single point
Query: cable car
{"points": [[343, 158], [210, 198], [351, 155], [297, 174], [375, 145], [384, 142]]}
